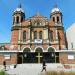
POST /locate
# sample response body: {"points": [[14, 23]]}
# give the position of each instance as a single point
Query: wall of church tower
{"points": [[62, 39], [14, 38]]}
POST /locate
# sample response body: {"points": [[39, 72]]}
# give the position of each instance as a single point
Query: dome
{"points": [[19, 9], [55, 10]]}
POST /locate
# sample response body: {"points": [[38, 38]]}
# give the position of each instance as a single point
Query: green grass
{"points": [[60, 73], [3, 73]]}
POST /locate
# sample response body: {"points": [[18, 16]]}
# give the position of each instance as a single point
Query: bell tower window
{"points": [[17, 19], [53, 19], [57, 19]]}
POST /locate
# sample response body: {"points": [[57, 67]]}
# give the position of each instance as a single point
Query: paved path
{"points": [[33, 69]]}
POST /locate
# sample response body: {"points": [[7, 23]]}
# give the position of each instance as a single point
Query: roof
{"points": [[38, 15]]}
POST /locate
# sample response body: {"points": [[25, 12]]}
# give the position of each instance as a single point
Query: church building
{"points": [[36, 39]]}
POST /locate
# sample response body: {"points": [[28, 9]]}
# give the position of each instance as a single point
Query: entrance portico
{"points": [[37, 57]]}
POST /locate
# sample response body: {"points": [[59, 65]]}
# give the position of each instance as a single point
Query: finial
{"points": [[20, 6], [55, 6]]}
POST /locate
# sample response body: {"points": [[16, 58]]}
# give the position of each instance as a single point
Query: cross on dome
{"points": [[20, 6]]}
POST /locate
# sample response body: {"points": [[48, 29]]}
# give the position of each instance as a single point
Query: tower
{"points": [[18, 18], [56, 17]]}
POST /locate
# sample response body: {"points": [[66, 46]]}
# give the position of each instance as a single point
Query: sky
{"points": [[67, 7]]}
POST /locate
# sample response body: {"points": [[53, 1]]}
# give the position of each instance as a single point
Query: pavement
{"points": [[33, 69]]}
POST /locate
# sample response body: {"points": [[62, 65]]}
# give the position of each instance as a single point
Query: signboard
{"points": [[7, 56], [38, 40], [70, 56]]}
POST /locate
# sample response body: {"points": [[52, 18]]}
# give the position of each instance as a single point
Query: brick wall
{"points": [[12, 60], [63, 57]]}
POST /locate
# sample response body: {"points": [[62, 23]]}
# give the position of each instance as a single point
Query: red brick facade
{"points": [[52, 31]]}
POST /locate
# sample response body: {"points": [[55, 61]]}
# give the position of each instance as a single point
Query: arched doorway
{"points": [[27, 55], [39, 55], [49, 56], [51, 52], [23, 57], [54, 56]]}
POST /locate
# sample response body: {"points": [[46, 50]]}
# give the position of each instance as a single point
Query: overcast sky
{"points": [[30, 7]]}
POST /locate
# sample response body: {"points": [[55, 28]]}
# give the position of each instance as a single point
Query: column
{"points": [[19, 38]]}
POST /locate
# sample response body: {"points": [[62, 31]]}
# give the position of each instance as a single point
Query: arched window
{"points": [[24, 36], [57, 19], [51, 35], [21, 19], [35, 34], [40, 35], [53, 19], [17, 19]]}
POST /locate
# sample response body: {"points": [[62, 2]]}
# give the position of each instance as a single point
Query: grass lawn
{"points": [[3, 73], [60, 73], [48, 73]]}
